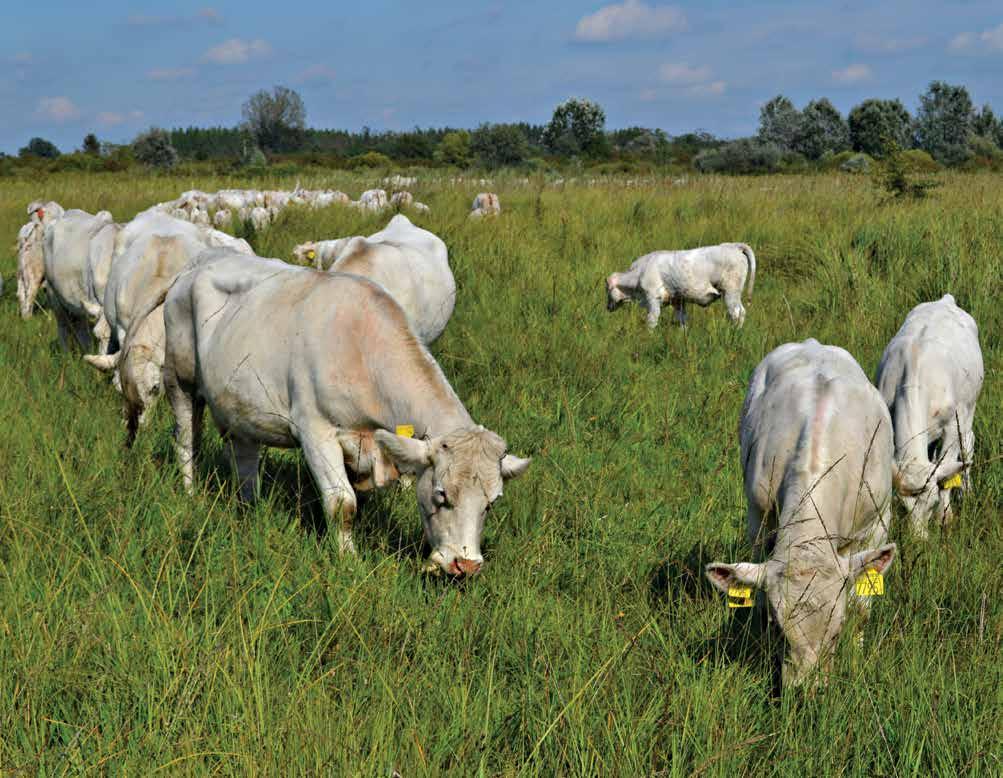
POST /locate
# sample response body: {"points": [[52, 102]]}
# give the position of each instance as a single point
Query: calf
{"points": [[697, 276]]}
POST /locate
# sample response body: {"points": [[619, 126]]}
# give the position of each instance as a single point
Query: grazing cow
{"points": [[67, 259], [319, 253], [930, 376], [412, 264], [31, 253], [697, 276], [816, 446], [338, 371], [401, 200], [486, 204], [150, 252], [372, 200]]}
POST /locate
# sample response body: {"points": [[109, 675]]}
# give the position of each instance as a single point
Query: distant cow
{"points": [[372, 200], [930, 376], [339, 372], [485, 204], [31, 253], [698, 276], [412, 264], [816, 447]]}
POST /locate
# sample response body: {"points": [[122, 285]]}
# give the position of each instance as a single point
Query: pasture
{"points": [[142, 628]]}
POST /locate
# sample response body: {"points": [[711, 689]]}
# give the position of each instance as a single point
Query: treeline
{"points": [[947, 130]]}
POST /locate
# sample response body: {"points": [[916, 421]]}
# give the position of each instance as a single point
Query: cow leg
{"points": [[736, 311], [102, 333], [326, 461], [246, 456], [188, 411], [679, 306], [654, 306]]}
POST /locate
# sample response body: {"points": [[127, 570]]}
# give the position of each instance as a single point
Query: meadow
{"points": [[142, 630]]}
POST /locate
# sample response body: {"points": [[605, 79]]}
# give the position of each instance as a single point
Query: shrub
{"points": [[153, 148], [856, 163], [744, 156], [894, 176], [919, 161], [39, 147], [371, 159], [499, 145], [253, 157], [454, 149]]}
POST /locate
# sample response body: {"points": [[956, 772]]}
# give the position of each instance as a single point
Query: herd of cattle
{"points": [[168, 303]]}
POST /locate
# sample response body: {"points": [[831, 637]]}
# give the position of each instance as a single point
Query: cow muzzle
{"points": [[465, 567]]}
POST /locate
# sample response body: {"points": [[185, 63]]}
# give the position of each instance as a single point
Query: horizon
{"points": [[125, 68]]}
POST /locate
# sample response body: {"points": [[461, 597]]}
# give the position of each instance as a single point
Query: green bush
{"points": [[744, 157], [919, 161], [856, 163], [153, 148], [371, 159]]}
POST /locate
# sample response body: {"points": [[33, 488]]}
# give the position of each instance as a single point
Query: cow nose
{"points": [[466, 566]]}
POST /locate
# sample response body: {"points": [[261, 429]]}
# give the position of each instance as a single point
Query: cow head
{"points": [[919, 485], [615, 296], [459, 477], [807, 597]]}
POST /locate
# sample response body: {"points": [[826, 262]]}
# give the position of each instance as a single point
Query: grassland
{"points": [[141, 628]]}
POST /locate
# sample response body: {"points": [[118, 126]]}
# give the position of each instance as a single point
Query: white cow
{"points": [[68, 262], [698, 276], [31, 253], [930, 376], [816, 447], [402, 200], [150, 252], [339, 371], [412, 264], [372, 200], [485, 204]]}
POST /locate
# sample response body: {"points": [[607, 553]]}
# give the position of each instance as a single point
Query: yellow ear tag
{"points": [[311, 254], [951, 483], [870, 584], [405, 430], [739, 597]]}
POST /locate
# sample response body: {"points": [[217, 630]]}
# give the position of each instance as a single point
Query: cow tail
{"points": [[751, 259]]}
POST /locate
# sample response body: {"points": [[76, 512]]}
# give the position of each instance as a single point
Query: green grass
{"points": [[141, 628]]}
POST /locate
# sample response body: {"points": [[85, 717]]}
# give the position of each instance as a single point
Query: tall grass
{"points": [[141, 628]]}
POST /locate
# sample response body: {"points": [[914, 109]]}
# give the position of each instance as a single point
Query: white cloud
{"points": [[57, 109], [237, 51], [170, 74], [852, 74], [961, 41], [630, 19], [681, 73], [112, 119], [317, 73], [993, 37], [713, 89]]}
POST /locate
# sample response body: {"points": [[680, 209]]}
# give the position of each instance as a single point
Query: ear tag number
{"points": [[739, 597], [870, 584], [405, 430], [951, 483]]}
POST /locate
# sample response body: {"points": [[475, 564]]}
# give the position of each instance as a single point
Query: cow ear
{"points": [[904, 483], [725, 576], [410, 455], [513, 466], [872, 559]]}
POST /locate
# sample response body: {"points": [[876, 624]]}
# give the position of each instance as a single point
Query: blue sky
{"points": [[115, 67]]}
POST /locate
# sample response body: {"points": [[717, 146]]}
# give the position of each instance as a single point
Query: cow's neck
{"points": [[910, 422], [429, 404], [815, 515]]}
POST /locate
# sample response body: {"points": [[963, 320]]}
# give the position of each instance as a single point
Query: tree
{"points": [[779, 123], [454, 149], [822, 130], [39, 147], [986, 125], [577, 127], [91, 145], [944, 122], [153, 148], [874, 123], [277, 121], [498, 145]]}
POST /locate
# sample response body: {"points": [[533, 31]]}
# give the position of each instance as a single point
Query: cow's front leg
{"points": [[188, 411], [654, 305], [679, 305], [326, 461]]}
